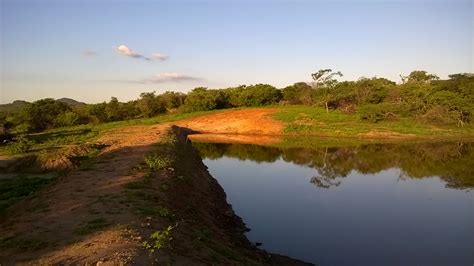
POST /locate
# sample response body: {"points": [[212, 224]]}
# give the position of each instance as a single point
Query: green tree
{"points": [[298, 93], [69, 118], [202, 99], [259, 95], [96, 113], [112, 109], [42, 114], [173, 99], [150, 105], [419, 76], [326, 80]]}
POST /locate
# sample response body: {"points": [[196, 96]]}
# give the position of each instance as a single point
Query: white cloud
{"points": [[170, 77], [160, 57], [126, 51]]}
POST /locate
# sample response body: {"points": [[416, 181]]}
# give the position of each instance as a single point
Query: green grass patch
{"points": [[24, 244], [16, 188], [308, 120], [88, 133], [92, 226], [203, 234]]}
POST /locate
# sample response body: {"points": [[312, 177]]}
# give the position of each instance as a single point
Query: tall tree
{"points": [[419, 76], [326, 80], [42, 114]]}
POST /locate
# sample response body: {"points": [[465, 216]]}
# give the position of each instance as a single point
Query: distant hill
{"points": [[18, 104], [14, 106], [71, 102]]}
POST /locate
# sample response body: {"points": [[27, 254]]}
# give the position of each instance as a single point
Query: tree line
{"points": [[420, 95]]}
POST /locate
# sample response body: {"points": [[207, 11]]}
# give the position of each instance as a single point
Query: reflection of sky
{"points": [[368, 219]]}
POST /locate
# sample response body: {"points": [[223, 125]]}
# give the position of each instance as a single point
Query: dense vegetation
{"points": [[420, 95]]}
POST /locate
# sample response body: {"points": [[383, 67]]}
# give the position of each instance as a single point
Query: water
{"points": [[377, 204]]}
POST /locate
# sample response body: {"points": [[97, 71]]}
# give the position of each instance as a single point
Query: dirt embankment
{"points": [[104, 212], [245, 122], [256, 126], [53, 226], [251, 126]]}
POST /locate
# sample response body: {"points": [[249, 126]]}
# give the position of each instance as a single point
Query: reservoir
{"points": [[361, 204]]}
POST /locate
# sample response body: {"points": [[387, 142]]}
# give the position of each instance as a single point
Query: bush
{"points": [[440, 115], [41, 114], [379, 112], [20, 145], [202, 99], [157, 161], [257, 95], [298, 93], [159, 240], [67, 119]]}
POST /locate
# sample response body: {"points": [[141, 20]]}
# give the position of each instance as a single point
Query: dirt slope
{"points": [[248, 121], [90, 214], [46, 227]]}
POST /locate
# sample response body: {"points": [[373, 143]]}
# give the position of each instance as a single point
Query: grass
{"points": [[16, 188], [299, 120], [88, 133], [91, 226], [203, 234], [25, 244], [141, 194], [308, 120]]}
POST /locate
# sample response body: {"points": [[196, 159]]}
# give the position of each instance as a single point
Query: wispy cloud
{"points": [[89, 53], [160, 57], [170, 77], [127, 51]]}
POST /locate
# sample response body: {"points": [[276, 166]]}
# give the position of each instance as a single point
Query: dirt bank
{"points": [[236, 138], [246, 122], [256, 126], [106, 210]]}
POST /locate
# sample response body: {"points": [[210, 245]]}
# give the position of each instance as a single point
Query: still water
{"points": [[373, 204]]}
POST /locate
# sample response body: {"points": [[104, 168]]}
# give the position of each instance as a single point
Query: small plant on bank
{"points": [[159, 240], [157, 162], [165, 212]]}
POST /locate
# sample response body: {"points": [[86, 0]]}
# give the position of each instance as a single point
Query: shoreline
{"points": [[104, 213]]}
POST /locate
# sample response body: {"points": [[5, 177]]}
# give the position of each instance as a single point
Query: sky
{"points": [[92, 50]]}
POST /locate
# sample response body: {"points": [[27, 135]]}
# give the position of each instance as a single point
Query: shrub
{"points": [[21, 145], [66, 119], [41, 114], [440, 115], [202, 99], [157, 161], [159, 240], [379, 112]]}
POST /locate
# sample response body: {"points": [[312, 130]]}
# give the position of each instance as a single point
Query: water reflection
{"points": [[451, 161], [371, 204]]}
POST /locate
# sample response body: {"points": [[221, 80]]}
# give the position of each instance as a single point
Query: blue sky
{"points": [[69, 48]]}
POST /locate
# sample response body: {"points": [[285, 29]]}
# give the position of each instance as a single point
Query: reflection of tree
{"points": [[451, 161], [325, 181], [252, 152]]}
